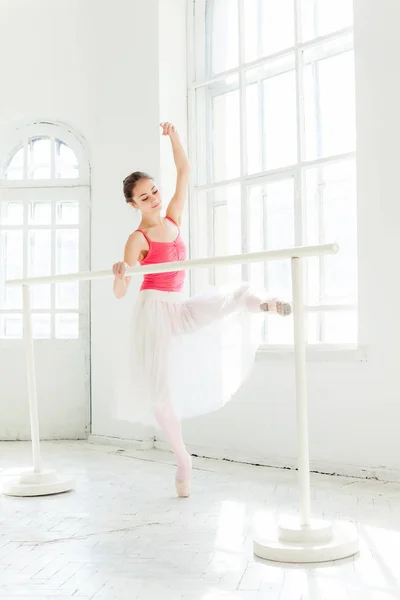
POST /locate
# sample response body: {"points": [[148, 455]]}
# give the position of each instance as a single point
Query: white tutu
{"points": [[195, 352]]}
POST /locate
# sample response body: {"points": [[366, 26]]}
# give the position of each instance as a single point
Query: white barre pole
{"points": [[31, 376], [301, 391], [215, 261], [303, 540]]}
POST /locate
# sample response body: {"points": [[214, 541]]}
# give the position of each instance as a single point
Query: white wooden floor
{"points": [[122, 534]]}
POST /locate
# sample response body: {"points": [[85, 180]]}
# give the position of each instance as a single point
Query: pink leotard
{"points": [[160, 252]]}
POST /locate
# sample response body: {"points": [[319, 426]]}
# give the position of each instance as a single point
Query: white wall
{"points": [[354, 405]]}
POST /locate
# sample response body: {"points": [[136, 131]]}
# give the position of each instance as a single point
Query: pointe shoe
{"points": [[183, 485], [182, 488], [276, 306]]}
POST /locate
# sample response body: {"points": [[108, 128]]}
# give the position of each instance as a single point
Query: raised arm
{"points": [[177, 204], [135, 245]]}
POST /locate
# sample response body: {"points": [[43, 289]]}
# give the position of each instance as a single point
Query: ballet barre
{"points": [[300, 540], [186, 265]]}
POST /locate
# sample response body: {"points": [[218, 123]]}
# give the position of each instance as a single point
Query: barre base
{"points": [[321, 541], [45, 483]]}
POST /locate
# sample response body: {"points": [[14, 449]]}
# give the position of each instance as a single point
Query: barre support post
{"points": [[301, 390], [31, 379], [34, 481], [300, 539]]}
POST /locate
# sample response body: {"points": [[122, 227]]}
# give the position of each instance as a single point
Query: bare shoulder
{"points": [[135, 245], [137, 239]]}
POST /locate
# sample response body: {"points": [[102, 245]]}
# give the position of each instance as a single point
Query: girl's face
{"points": [[147, 197]]}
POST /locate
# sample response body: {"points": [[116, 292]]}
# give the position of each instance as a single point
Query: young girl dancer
{"points": [[188, 356]]}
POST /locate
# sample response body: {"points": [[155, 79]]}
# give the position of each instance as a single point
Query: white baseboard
{"points": [[55, 437], [325, 468], [104, 440]]}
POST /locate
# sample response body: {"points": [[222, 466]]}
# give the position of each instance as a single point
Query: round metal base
{"points": [[45, 483], [321, 541]]}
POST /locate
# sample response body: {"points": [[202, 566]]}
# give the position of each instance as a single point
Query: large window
{"points": [[44, 204], [273, 149]]}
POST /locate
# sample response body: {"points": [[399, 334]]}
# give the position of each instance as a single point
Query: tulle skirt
{"points": [[194, 352]]}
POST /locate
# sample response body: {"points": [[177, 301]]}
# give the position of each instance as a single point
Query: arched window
{"points": [[43, 158], [44, 230], [273, 149]]}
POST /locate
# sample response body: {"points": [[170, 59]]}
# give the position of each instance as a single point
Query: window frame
{"points": [[39, 129], [246, 180], [53, 191]]}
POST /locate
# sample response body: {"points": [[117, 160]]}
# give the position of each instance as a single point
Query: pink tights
{"points": [[172, 429]]}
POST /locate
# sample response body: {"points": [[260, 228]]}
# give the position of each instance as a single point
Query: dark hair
{"points": [[130, 183]]}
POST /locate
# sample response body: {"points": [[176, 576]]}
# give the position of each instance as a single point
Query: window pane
{"points": [[340, 327], [39, 158], [39, 264], [39, 213], [332, 327], [313, 329], [313, 268], [67, 213], [11, 327], [280, 331], [279, 108], [67, 251], [269, 27], [41, 296], [67, 261], [226, 146], [66, 162], [270, 227], [256, 234], [271, 113], [251, 30], [11, 267], [218, 132], [279, 201], [12, 213], [39, 252], [279, 198], [220, 215], [254, 130], [320, 17], [332, 217], [216, 35], [67, 326], [41, 326], [329, 115], [224, 35], [15, 168], [67, 295], [227, 239], [201, 214]]}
